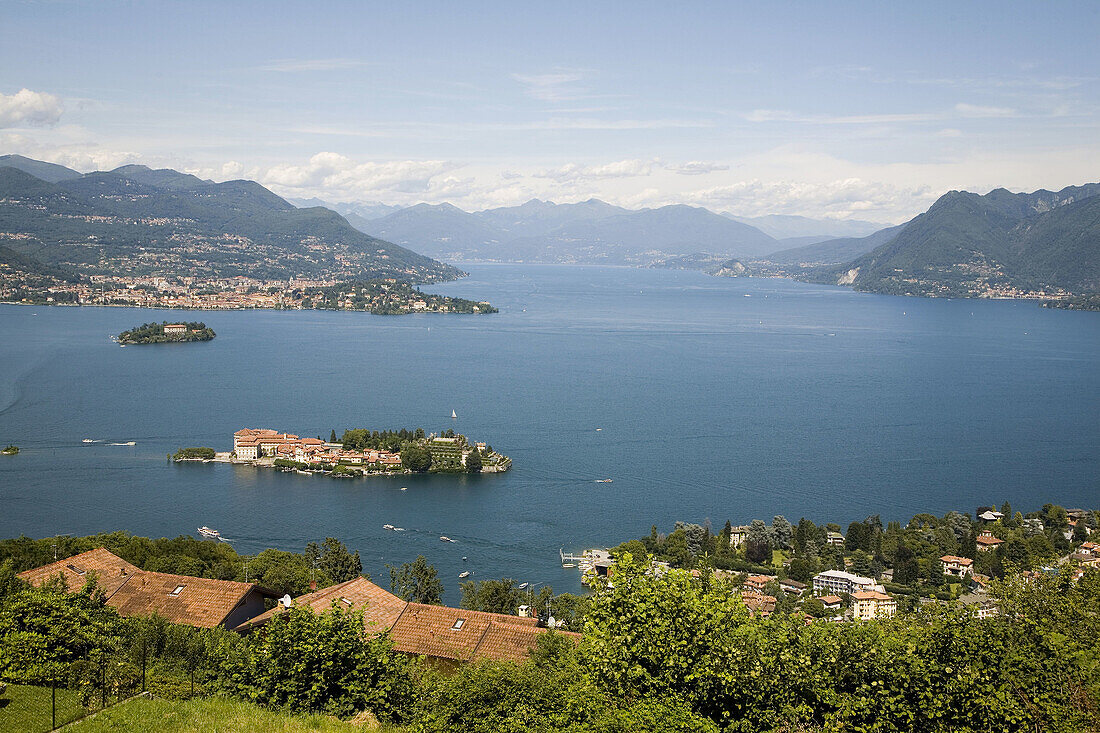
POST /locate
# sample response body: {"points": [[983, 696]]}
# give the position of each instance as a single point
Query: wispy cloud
{"points": [[557, 86], [573, 172], [696, 168], [30, 109], [294, 65], [977, 110], [773, 115]]}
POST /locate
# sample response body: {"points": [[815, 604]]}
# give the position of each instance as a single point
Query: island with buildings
{"points": [[166, 333], [363, 452]]}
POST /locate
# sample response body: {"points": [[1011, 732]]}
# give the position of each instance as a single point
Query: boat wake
{"points": [[129, 442]]}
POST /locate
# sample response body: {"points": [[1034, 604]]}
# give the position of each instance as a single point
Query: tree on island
{"points": [[416, 458], [473, 461], [417, 582]]}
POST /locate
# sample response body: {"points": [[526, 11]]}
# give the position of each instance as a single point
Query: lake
{"points": [[703, 398]]}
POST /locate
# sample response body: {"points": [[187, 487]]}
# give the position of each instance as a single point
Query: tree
{"points": [[336, 562], [308, 662], [332, 436], [906, 570], [416, 458], [473, 461], [781, 532], [492, 596], [417, 582], [757, 545]]}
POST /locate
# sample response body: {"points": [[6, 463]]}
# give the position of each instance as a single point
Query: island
{"points": [[194, 454], [166, 333], [11, 450], [387, 298], [362, 452]]}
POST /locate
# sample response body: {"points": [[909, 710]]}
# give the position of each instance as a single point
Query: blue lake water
{"points": [[800, 400]]}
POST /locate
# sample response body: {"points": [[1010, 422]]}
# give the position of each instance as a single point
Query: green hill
{"points": [[138, 222], [999, 244]]}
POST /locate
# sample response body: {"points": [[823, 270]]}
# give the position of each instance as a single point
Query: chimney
{"points": [[313, 585]]}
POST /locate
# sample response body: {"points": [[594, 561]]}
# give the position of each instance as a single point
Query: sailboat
{"points": [[453, 415]]}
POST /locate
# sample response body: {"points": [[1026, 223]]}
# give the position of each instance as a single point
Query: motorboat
{"points": [[210, 534], [388, 526]]}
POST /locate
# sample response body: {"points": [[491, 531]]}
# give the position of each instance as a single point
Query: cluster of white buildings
{"points": [[252, 444]]}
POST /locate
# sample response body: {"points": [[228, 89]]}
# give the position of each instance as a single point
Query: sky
{"points": [[824, 109]]}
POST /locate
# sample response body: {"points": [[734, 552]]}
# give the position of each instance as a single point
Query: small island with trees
{"points": [[11, 450], [194, 454], [362, 452], [166, 333]]}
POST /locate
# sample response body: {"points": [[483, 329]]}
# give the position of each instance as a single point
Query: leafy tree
{"points": [[308, 662], [493, 596], [416, 458], [416, 581], [473, 461], [334, 560], [757, 544], [781, 532]]}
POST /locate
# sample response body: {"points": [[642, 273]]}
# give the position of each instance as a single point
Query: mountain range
{"points": [[997, 244], [138, 221]]}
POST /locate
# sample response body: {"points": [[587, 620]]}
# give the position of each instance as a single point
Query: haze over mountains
{"points": [[137, 221]]}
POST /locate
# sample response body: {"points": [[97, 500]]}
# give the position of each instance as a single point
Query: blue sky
{"points": [[846, 110]]}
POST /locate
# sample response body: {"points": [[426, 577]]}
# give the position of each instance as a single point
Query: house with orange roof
{"points": [[871, 604], [987, 542], [180, 599], [756, 583], [447, 636], [960, 567]]}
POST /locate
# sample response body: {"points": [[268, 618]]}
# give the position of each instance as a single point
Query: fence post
{"points": [[53, 703]]}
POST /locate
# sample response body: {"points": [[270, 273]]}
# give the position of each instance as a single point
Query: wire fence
{"points": [[67, 692]]}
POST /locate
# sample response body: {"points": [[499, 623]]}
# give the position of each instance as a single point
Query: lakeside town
{"points": [[385, 296], [357, 453], [873, 571]]}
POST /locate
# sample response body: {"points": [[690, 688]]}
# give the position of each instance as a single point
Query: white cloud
{"points": [[976, 110], [949, 132], [774, 115], [337, 175], [30, 109], [558, 86], [697, 168], [574, 172]]}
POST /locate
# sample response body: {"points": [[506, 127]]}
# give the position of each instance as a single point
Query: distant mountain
{"points": [[351, 210], [999, 244], [833, 250], [49, 172], [782, 226], [592, 231], [138, 221]]}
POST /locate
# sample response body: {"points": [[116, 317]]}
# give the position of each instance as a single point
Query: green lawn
{"points": [[224, 716], [27, 708]]}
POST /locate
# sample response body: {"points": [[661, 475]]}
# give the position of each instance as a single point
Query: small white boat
{"points": [[89, 440], [304, 473], [523, 586], [604, 480], [445, 538], [598, 429], [209, 533], [569, 565], [453, 414], [388, 526], [464, 574], [404, 488]]}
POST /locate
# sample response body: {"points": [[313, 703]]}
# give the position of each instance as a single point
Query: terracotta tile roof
{"points": [[202, 602], [957, 560], [112, 571], [380, 608], [830, 600], [988, 541], [421, 629], [871, 595]]}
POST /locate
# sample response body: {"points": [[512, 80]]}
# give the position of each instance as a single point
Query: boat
{"points": [[209, 533], [598, 429], [89, 440], [569, 565], [464, 574], [453, 414], [604, 480], [388, 526], [404, 488], [445, 538], [463, 558], [304, 473], [523, 586]]}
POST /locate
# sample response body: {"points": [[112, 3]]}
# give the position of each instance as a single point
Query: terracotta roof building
{"points": [[439, 632], [181, 599]]}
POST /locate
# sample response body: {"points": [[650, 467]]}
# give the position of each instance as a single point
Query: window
{"points": [[75, 569], [458, 624], [177, 591], [345, 600]]}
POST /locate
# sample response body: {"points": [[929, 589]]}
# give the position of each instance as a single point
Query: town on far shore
{"points": [[358, 452], [872, 571], [385, 296]]}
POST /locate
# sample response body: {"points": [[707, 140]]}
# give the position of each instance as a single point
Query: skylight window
{"points": [[177, 591], [458, 624], [75, 569], [345, 600]]}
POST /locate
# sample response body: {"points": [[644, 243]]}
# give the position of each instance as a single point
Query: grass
{"points": [[27, 708], [222, 715]]}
